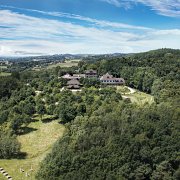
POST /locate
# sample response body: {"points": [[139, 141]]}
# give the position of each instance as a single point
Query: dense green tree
{"points": [[90, 82], [19, 121], [9, 146], [40, 109], [125, 142], [50, 109], [15, 75], [29, 109], [106, 138], [3, 116], [67, 112], [8, 84]]}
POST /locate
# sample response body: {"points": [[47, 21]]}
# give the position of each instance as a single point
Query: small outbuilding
{"points": [[67, 76], [73, 84], [91, 73]]}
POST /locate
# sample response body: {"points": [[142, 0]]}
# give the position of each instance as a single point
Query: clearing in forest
{"points": [[135, 96], [5, 74], [67, 63], [37, 143]]}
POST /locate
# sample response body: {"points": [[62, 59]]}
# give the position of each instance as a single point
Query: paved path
{"points": [[4, 173], [73, 90], [132, 91]]}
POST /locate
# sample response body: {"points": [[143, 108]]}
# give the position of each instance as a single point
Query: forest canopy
{"points": [[121, 140], [107, 136]]}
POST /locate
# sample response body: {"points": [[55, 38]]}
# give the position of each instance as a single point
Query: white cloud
{"points": [[164, 7], [5, 50], [22, 34], [114, 2], [169, 8], [83, 18], [120, 3]]}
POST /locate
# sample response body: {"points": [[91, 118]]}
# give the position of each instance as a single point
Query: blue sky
{"points": [[34, 27]]}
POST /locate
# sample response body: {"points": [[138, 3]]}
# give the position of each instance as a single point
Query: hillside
{"points": [[136, 138], [112, 132], [36, 144]]}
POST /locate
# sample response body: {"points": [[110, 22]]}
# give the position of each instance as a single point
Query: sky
{"points": [[44, 27]]}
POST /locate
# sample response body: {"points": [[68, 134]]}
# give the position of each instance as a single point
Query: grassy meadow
{"points": [[3, 67], [37, 143], [5, 74], [137, 97], [67, 63], [141, 98]]}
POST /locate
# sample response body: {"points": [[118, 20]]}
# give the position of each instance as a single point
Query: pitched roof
{"points": [[73, 82], [120, 80], [90, 71], [107, 76], [67, 76], [78, 75]]}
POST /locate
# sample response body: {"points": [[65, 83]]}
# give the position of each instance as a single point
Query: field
{"points": [[37, 143], [3, 67], [69, 63], [123, 89], [135, 96], [5, 74], [141, 98]]}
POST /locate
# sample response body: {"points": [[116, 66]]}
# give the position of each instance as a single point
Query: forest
{"points": [[107, 136]]}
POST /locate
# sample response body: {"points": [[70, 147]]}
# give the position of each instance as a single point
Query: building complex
{"points": [[106, 79]]}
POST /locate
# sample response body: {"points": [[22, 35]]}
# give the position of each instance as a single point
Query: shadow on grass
{"points": [[22, 155], [62, 122], [26, 130], [18, 155], [34, 120], [49, 119]]}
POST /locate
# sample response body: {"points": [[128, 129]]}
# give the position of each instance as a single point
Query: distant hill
{"points": [[59, 57]]}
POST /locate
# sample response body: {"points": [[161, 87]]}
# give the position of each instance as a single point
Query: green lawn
{"points": [[36, 144], [2, 177], [140, 98], [5, 74], [123, 89], [135, 96], [3, 67], [69, 63]]}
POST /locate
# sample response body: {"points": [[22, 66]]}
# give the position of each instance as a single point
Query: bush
{"points": [[9, 146]]}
